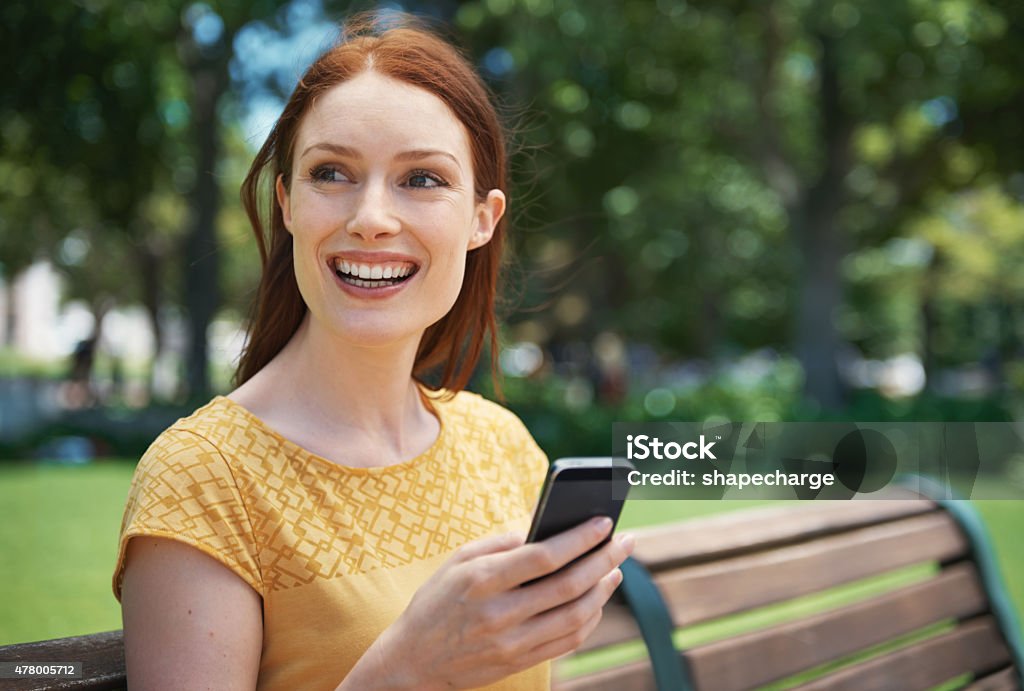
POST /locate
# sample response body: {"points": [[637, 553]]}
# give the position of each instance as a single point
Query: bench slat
{"points": [[708, 591], [976, 647], [792, 647], [617, 625], [635, 676], [784, 650], [101, 655], [1003, 680], [731, 534], [704, 592]]}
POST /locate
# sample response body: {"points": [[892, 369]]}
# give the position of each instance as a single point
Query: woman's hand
{"points": [[474, 623]]}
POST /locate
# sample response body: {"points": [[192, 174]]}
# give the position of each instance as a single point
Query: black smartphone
{"points": [[576, 490]]}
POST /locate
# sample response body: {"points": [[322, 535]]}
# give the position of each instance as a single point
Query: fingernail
{"points": [[617, 578], [627, 542], [603, 523]]}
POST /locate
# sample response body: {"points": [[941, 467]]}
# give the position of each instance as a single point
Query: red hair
{"points": [[417, 56]]}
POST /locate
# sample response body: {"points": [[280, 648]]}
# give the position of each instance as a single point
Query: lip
{"points": [[371, 258]]}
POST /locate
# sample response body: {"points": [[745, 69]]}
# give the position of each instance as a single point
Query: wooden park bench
{"points": [[891, 594]]}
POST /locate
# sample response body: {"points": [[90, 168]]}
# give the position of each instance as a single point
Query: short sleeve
{"points": [[183, 489]]}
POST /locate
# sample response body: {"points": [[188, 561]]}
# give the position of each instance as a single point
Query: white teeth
{"points": [[376, 272], [359, 283]]}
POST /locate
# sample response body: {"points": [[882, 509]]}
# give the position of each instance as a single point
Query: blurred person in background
{"points": [[336, 521]]}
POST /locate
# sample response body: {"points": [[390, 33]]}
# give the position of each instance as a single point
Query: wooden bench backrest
{"points": [[101, 655], [738, 562]]}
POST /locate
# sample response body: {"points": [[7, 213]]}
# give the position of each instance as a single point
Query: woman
{"points": [[334, 522]]}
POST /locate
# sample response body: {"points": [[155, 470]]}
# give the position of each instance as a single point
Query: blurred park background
{"points": [[785, 210]]}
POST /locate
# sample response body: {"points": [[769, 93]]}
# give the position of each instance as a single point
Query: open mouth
{"points": [[367, 275]]}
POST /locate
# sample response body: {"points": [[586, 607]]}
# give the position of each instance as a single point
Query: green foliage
{"points": [[566, 422], [687, 175], [692, 175], [14, 364]]}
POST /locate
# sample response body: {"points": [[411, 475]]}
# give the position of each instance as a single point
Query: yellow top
{"points": [[335, 552]]}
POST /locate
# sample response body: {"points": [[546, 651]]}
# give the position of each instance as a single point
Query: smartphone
{"points": [[576, 490]]}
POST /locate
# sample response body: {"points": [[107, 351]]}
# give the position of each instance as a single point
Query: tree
{"points": [[84, 139], [730, 156]]}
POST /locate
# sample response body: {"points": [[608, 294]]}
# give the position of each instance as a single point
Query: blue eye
{"points": [[326, 174], [425, 180]]}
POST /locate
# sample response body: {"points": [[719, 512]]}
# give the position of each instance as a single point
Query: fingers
{"points": [[561, 646], [565, 628], [489, 545], [539, 559], [574, 582]]}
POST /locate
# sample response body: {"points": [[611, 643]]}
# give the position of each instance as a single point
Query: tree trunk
{"points": [[821, 246], [929, 322], [150, 263], [11, 311], [817, 339], [202, 256]]}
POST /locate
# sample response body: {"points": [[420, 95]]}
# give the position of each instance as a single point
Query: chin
{"points": [[377, 333]]}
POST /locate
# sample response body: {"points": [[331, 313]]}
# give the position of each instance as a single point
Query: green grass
{"points": [[59, 542]]}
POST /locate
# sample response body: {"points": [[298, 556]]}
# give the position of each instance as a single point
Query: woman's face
{"points": [[382, 211]]}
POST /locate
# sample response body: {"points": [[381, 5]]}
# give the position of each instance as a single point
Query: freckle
{"points": [[190, 611], [211, 634]]}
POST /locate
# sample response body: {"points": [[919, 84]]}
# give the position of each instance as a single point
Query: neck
{"points": [[320, 382]]}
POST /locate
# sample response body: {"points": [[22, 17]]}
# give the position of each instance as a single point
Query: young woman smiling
{"points": [[334, 522]]}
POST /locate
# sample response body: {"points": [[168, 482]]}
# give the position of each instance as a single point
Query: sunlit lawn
{"points": [[59, 542]]}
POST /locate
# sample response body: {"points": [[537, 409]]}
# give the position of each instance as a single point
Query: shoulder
{"points": [[188, 488], [210, 426], [484, 419], [498, 439], [202, 438], [472, 407], [214, 421]]}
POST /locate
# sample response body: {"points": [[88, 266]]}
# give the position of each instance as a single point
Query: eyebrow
{"points": [[412, 155]]}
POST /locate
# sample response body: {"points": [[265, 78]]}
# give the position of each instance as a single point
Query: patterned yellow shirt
{"points": [[335, 552]]}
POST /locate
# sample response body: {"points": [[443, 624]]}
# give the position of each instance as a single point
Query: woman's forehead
{"points": [[372, 111]]}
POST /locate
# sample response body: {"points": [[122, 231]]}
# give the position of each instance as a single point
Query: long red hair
{"points": [[411, 53]]}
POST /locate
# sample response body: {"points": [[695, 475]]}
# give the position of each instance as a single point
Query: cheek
{"points": [[305, 258], [306, 276], [310, 227], [454, 273]]}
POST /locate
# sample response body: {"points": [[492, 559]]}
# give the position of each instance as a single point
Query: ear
{"points": [[487, 214], [284, 200]]}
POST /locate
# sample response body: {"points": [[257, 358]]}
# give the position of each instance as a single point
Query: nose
{"points": [[374, 214]]}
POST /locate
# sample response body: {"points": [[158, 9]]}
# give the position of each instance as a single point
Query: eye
{"points": [[425, 180], [327, 174]]}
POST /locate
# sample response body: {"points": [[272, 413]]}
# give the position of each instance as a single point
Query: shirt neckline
{"points": [[290, 447]]}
